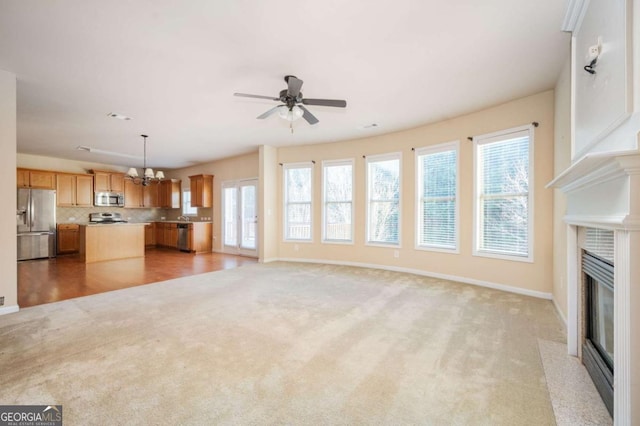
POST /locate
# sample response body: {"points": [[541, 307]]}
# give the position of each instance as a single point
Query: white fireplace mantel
{"points": [[603, 190]]}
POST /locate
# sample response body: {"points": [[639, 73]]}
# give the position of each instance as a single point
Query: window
{"points": [[383, 199], [187, 210], [437, 172], [298, 184], [503, 225], [338, 201]]}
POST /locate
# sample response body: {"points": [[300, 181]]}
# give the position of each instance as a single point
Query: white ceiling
{"points": [[173, 67]]}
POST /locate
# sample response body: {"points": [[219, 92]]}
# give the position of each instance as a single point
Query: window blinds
{"points": [[383, 180], [437, 200], [504, 195], [298, 185], [338, 199]]}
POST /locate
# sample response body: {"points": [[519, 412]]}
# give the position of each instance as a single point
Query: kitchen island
{"points": [[101, 242]]}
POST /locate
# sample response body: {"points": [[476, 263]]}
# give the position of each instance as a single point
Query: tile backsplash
{"points": [[81, 214]]}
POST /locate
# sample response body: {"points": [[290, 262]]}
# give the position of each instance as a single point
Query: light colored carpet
{"points": [[285, 343]]}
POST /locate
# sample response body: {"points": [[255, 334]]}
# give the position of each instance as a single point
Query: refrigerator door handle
{"points": [[32, 218]]}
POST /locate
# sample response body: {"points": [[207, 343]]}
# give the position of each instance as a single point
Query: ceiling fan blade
{"points": [[246, 95], [295, 84], [325, 102], [268, 113], [311, 119]]}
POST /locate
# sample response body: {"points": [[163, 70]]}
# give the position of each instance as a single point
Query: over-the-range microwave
{"points": [[109, 199]]}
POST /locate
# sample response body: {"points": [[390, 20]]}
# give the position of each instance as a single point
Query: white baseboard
{"points": [[269, 260], [559, 311], [480, 283], [4, 310]]}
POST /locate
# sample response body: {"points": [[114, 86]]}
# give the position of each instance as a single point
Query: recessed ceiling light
{"points": [[369, 126], [118, 116]]}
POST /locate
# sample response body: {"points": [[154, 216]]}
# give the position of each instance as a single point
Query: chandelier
{"points": [[147, 175]]}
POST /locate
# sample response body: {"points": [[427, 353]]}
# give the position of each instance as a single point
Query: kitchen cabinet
{"points": [[150, 195], [41, 179], [170, 194], [167, 234], [200, 237], [74, 190], [150, 234], [159, 230], [171, 235], [108, 181], [136, 195], [201, 190], [68, 238]]}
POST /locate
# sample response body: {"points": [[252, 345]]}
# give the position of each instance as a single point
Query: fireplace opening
{"points": [[597, 347]]}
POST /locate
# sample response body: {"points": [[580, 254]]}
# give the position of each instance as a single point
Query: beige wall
{"points": [[268, 204], [536, 277], [562, 160], [228, 169], [8, 261]]}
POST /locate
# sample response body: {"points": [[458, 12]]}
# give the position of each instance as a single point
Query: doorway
{"points": [[240, 217]]}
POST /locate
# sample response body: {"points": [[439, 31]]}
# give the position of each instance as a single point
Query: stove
{"points": [[106, 218]]}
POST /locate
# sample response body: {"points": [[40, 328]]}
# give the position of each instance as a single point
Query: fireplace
{"points": [[598, 319]]}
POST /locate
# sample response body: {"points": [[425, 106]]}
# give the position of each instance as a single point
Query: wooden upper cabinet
{"points": [[40, 179], [74, 190], [84, 190], [132, 194], [201, 190], [136, 195], [170, 194], [108, 181], [65, 190], [150, 195], [22, 178]]}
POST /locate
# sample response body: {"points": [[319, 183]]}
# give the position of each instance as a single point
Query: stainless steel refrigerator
{"points": [[36, 216]]}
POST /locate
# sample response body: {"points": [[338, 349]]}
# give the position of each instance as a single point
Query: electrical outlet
{"points": [[396, 254], [296, 247], [1, 300]]}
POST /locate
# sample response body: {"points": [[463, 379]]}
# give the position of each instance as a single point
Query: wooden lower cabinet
{"points": [[68, 238], [200, 236], [150, 235], [167, 234]]}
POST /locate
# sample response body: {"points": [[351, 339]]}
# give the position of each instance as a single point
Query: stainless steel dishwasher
{"points": [[183, 236]]}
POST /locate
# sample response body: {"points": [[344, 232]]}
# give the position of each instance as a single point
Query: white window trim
{"points": [[447, 146], [184, 204], [285, 167], [329, 163], [375, 158], [494, 137]]}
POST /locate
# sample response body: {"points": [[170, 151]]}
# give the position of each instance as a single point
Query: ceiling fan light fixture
{"points": [[292, 114]]}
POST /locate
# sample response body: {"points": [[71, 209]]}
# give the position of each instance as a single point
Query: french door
{"points": [[240, 217]]}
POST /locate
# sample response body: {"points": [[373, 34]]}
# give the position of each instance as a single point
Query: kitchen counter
{"points": [[99, 242]]}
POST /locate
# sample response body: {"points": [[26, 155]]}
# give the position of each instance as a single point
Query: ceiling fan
{"points": [[293, 103]]}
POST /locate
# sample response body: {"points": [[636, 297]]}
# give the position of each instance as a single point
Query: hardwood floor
{"points": [[66, 277]]}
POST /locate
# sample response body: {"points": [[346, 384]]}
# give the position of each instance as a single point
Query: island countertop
{"points": [[100, 242]]}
